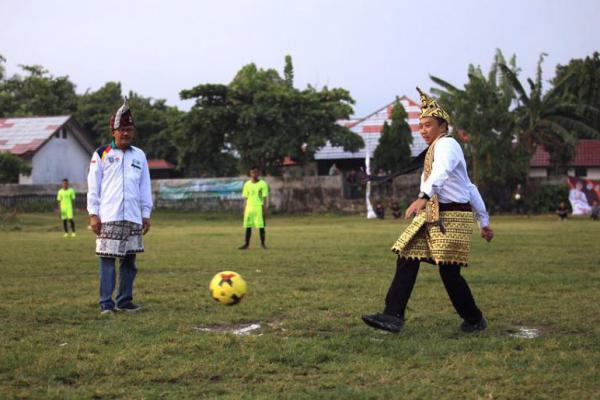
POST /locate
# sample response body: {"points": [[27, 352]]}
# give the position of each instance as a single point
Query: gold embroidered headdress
{"points": [[431, 108]]}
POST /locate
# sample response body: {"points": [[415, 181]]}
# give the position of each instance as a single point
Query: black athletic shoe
{"points": [[384, 322], [470, 328], [243, 247], [264, 246], [128, 307]]}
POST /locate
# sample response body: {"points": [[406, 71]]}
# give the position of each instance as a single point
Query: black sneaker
{"points": [[128, 307], [243, 247], [470, 328], [384, 322]]}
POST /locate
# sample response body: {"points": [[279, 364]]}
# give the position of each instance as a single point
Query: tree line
{"points": [[260, 117], [257, 119], [500, 121]]}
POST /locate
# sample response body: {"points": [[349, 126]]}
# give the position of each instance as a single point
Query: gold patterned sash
{"points": [[432, 208]]}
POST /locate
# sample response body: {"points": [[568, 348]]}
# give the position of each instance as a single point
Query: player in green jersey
{"points": [[65, 198], [256, 193]]}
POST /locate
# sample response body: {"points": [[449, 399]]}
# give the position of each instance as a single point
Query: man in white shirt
{"points": [[119, 202], [440, 232]]}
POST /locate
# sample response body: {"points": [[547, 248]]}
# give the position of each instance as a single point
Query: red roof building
{"points": [[369, 128], [161, 169], [585, 164]]}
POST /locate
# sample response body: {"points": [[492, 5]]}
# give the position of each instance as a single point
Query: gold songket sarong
{"points": [[426, 242], [436, 236]]}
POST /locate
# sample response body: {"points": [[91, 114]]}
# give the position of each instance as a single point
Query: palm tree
{"points": [[482, 118], [551, 119]]}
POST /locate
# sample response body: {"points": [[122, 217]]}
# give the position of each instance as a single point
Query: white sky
{"points": [[376, 49]]}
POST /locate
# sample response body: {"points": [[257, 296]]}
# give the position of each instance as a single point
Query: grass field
{"points": [[308, 291]]}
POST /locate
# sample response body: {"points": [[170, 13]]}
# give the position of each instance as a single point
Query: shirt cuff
{"points": [[93, 211], [146, 213], [484, 221], [428, 190]]}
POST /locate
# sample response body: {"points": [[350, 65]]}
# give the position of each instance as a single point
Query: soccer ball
{"points": [[227, 287]]}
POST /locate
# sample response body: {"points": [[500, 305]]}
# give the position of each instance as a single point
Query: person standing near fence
{"points": [[119, 204], [256, 193], [65, 198]]}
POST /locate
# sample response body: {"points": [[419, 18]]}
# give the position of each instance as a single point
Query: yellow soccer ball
{"points": [[227, 287]]}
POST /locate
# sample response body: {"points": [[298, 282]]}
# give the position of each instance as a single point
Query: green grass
{"points": [[308, 292]]}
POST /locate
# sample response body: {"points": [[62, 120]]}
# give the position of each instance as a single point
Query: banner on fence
{"points": [[182, 189], [584, 194]]}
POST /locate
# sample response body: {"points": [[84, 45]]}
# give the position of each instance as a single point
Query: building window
{"points": [[64, 133], [580, 171]]}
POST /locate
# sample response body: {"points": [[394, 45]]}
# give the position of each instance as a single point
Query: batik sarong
{"points": [[119, 238]]}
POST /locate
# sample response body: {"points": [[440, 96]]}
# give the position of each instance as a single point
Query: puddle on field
{"points": [[235, 329], [523, 332]]}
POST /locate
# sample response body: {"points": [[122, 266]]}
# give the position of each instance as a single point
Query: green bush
{"points": [[546, 198]]}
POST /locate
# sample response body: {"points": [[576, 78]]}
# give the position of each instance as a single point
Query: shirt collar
{"points": [[113, 145]]}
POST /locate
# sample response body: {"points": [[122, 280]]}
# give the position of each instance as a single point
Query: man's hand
{"points": [[95, 224], [414, 208], [146, 224], [487, 233], [265, 212]]}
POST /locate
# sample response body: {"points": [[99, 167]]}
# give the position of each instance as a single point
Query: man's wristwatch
{"points": [[422, 195]]}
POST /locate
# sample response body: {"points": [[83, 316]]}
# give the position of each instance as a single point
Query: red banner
{"points": [[583, 194]]}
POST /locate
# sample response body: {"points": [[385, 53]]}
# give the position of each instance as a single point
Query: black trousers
{"points": [[456, 286]]}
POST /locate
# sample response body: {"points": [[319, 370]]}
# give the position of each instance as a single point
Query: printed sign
{"points": [[222, 188], [584, 194]]}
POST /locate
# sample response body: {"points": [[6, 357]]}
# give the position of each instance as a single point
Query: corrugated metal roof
{"points": [[23, 135], [370, 127], [587, 154]]}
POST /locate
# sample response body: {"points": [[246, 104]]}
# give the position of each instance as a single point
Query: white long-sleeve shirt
{"points": [[119, 186], [450, 181]]}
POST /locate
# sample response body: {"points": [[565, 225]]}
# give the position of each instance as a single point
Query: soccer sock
{"points": [[65, 226], [262, 235], [248, 235], [72, 225]]}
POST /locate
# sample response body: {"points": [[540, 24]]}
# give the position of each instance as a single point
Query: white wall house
{"points": [[54, 147], [370, 128]]}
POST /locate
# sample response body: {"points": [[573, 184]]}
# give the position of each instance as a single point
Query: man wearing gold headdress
{"points": [[440, 232]]}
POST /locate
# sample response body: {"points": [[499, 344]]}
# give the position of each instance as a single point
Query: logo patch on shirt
{"points": [[110, 159], [136, 164]]}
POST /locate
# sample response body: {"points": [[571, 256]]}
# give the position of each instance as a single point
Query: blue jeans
{"points": [[127, 272]]}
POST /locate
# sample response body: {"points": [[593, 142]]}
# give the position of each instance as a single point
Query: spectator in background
{"points": [[562, 211], [334, 170], [379, 210], [595, 215], [395, 207], [353, 182]]}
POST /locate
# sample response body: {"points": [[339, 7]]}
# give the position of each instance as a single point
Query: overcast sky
{"points": [[376, 49]]}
